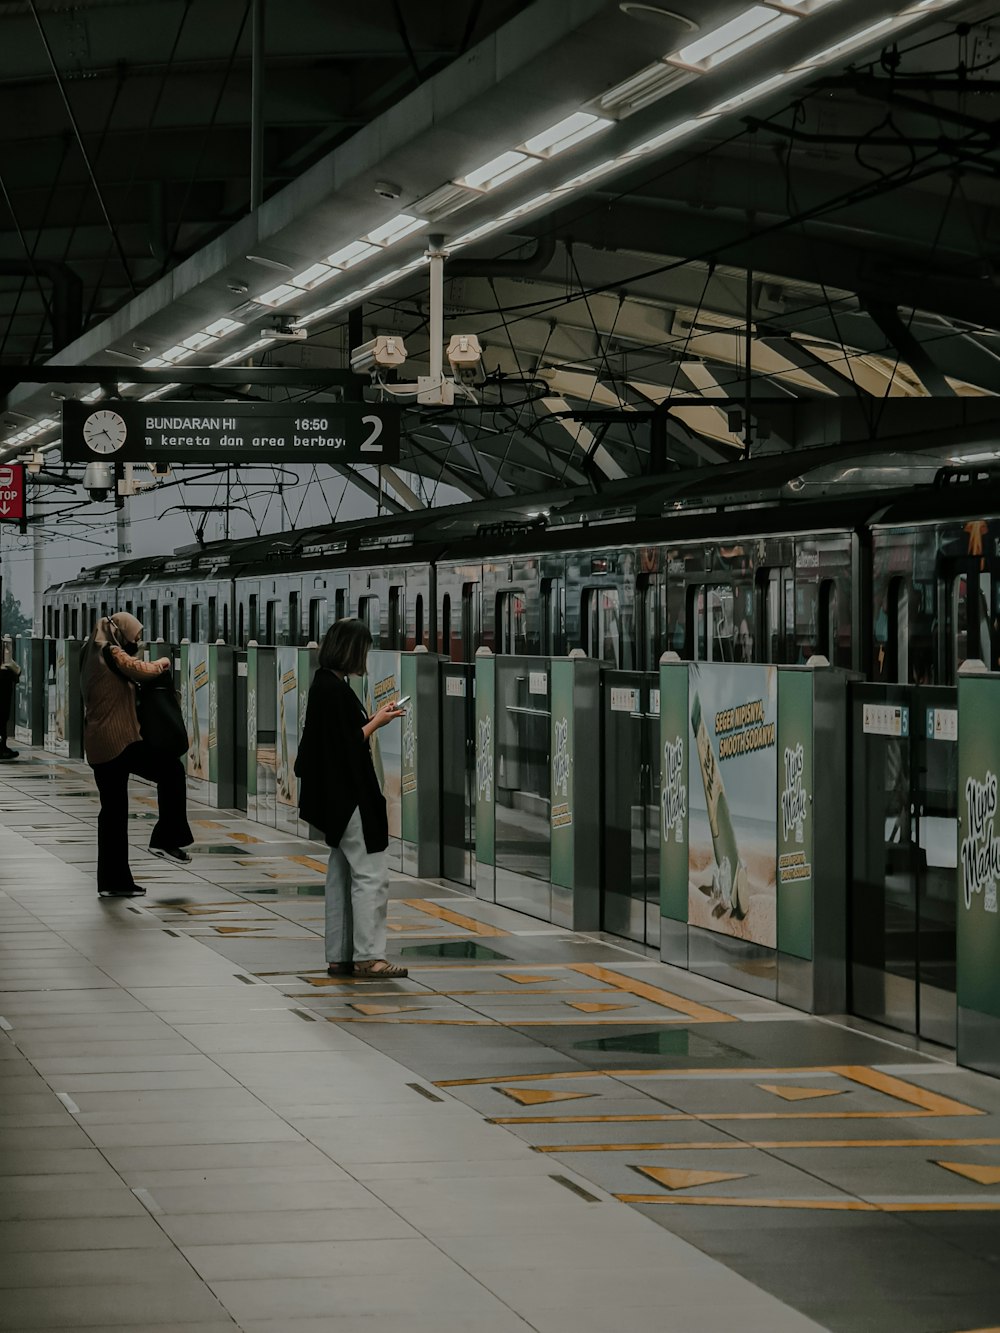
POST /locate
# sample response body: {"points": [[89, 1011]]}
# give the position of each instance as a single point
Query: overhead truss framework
{"points": [[834, 242]]}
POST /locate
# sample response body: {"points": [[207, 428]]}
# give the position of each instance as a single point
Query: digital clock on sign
{"points": [[104, 432], [311, 423]]}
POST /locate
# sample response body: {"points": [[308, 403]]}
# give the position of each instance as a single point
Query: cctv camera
{"points": [[464, 356], [98, 479], [283, 331], [386, 352]]}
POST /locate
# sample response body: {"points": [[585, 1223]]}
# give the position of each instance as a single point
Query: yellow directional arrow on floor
{"points": [[982, 1175], [536, 1096], [799, 1094], [673, 1178], [387, 1008], [589, 1007]]}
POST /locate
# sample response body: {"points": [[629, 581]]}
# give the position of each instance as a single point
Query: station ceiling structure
{"points": [[680, 231]]}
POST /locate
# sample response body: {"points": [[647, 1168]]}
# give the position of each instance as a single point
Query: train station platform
{"points": [[201, 1131]]}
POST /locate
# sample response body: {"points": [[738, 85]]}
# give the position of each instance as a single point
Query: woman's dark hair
{"points": [[345, 647]]}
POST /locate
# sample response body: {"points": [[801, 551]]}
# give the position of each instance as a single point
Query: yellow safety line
{"points": [[710, 1117], [825, 1205], [769, 1144], [453, 918], [312, 862], [904, 1091], [700, 1013]]}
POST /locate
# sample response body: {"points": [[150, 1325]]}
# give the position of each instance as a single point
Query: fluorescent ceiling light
{"points": [[475, 234], [157, 393], [93, 396], [153, 363], [749, 95], [591, 174], [928, 7], [572, 130], [802, 6], [349, 255], [278, 295], [499, 170], [270, 263], [753, 26], [198, 341], [680, 131], [312, 276], [644, 88], [243, 353], [220, 327], [395, 229], [528, 207], [848, 44]]}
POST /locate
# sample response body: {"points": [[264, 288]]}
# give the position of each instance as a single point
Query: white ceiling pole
{"points": [[409, 498]]}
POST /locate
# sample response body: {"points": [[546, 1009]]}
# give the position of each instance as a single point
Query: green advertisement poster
{"points": [[213, 714], [485, 750], [674, 791], [194, 667], [978, 845], [409, 726], [732, 801], [287, 731], [795, 813], [251, 732], [561, 677]]}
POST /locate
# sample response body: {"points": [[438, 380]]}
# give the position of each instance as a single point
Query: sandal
{"points": [[340, 970], [379, 967]]}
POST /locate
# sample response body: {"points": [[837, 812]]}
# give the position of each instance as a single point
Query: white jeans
{"points": [[357, 896]]}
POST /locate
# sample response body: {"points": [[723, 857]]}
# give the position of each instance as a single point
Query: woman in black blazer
{"points": [[339, 794]]}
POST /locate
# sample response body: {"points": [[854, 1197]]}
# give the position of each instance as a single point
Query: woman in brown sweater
{"points": [[110, 672]]}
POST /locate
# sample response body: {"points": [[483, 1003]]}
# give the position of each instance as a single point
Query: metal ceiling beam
{"points": [[913, 352]]}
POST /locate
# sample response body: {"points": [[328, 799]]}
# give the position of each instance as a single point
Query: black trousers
{"points": [[171, 829], [7, 683]]}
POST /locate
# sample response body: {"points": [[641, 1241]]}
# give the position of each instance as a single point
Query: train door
{"points": [[471, 621], [630, 879], [458, 761], [601, 625], [903, 857]]}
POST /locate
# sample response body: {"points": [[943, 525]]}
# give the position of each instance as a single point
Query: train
{"points": [[886, 565]]}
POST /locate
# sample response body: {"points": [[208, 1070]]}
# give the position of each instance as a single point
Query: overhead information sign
{"points": [[11, 492], [238, 433]]}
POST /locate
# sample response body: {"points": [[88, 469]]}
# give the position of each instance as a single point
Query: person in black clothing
{"points": [[339, 794], [9, 673]]}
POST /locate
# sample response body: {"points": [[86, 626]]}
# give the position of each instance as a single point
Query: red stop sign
{"points": [[11, 492]]}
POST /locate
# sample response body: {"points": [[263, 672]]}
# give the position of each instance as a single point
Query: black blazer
{"points": [[334, 765]]}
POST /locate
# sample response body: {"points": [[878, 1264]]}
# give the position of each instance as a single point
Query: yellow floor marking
{"points": [[904, 1091], [799, 1094], [672, 1178], [206, 823], [430, 1022], [525, 978], [824, 1205], [730, 1146], [453, 918], [243, 837], [241, 930], [589, 1007], [387, 1008], [981, 1175], [312, 862], [699, 1013], [535, 1096]]}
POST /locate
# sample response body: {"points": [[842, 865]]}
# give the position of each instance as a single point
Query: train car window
{"points": [[294, 620], [396, 617], [471, 627], [129, 608], [75, 623], [241, 642], [272, 623], [647, 624], [446, 625], [154, 621], [104, 610], [899, 631], [225, 622], [166, 624], [418, 613], [254, 618], [602, 625], [181, 617], [971, 599], [710, 623], [213, 619], [49, 619], [511, 623], [140, 617], [317, 619], [826, 639], [65, 620], [196, 625], [552, 642], [370, 611], [340, 604]]}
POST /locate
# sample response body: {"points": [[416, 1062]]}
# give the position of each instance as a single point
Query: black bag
{"points": [[161, 722]]}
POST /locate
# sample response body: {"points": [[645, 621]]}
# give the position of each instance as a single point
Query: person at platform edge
{"points": [[110, 671], [339, 794], [9, 673]]}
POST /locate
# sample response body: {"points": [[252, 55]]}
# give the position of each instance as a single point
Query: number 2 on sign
{"points": [[378, 425]]}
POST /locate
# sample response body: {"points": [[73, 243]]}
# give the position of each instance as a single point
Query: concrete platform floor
{"points": [[200, 1131]]}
